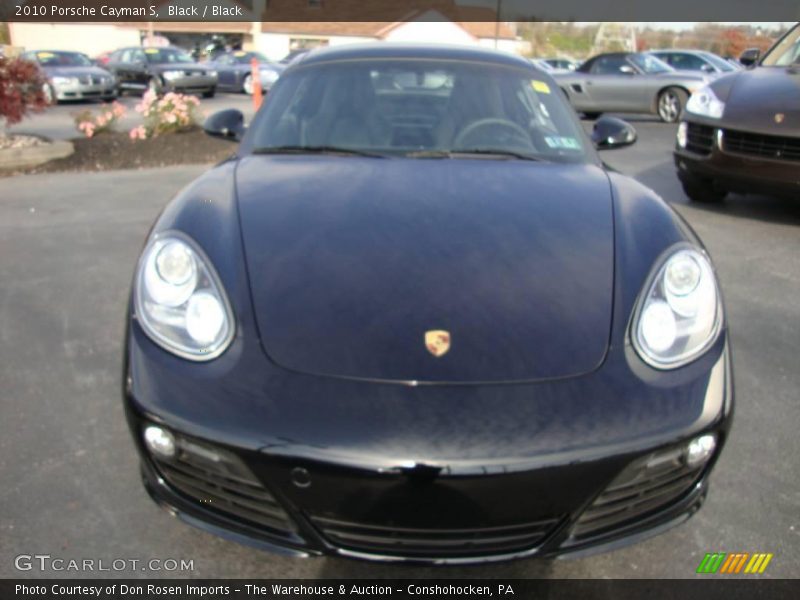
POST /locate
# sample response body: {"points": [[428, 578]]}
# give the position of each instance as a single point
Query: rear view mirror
{"points": [[611, 132], [750, 57], [225, 124]]}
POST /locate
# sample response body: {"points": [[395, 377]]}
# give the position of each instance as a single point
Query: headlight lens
{"points": [[212, 73], [705, 103], [680, 316], [268, 76], [179, 300], [172, 74], [65, 81]]}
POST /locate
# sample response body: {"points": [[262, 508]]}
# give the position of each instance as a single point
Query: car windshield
{"points": [[62, 59], [420, 109], [720, 63], [786, 52], [650, 64], [167, 55]]}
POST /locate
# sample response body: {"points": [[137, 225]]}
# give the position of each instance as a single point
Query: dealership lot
{"points": [[69, 483]]}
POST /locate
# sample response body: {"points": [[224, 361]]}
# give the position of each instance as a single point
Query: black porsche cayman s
{"points": [[414, 318]]}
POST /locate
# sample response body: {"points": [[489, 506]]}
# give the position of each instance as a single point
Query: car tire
{"points": [[592, 116], [670, 104], [247, 85], [702, 191], [210, 93]]}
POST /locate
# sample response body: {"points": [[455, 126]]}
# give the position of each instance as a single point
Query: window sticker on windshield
{"points": [[239, 53], [45, 54], [563, 143], [540, 86], [151, 50]]}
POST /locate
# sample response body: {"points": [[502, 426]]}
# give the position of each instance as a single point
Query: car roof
{"points": [[410, 50]]}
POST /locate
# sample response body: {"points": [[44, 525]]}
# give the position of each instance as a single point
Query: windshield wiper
{"points": [[488, 152], [316, 150]]}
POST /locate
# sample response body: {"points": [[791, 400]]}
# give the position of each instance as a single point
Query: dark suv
{"points": [[160, 70]]}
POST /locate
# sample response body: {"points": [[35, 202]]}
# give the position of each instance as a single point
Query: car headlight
{"points": [[705, 103], [268, 76], [680, 314], [211, 73], [65, 81], [172, 74], [179, 300]]}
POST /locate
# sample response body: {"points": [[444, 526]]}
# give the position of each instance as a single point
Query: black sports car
{"points": [[741, 133], [161, 70], [415, 318], [235, 71]]}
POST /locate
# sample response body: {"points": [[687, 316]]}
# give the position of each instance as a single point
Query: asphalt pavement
{"points": [[69, 482]]}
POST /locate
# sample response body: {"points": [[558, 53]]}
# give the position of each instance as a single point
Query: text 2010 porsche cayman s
{"points": [[414, 318]]}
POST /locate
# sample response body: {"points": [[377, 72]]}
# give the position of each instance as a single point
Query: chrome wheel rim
{"points": [[669, 107], [47, 91], [247, 84], [152, 86]]}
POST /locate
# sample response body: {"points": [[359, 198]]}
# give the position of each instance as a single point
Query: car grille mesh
{"points": [[766, 146], [646, 486], [434, 543], [699, 139], [220, 482]]}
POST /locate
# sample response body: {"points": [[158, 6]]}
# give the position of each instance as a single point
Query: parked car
{"points": [[561, 64], [695, 60], [72, 76], [294, 54], [741, 133], [424, 322], [234, 71], [633, 82], [161, 70]]}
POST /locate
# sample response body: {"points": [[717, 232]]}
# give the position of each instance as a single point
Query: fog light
{"points": [[682, 131], [159, 441], [700, 450]]}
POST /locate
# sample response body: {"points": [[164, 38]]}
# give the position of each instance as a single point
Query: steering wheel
{"points": [[514, 135]]}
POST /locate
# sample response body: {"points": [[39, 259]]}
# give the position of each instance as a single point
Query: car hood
{"points": [[75, 71], [756, 96], [352, 260]]}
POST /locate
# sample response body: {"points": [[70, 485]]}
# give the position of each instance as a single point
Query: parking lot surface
{"points": [[69, 482]]}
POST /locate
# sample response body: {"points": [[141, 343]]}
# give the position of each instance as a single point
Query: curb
{"points": [[13, 158]]}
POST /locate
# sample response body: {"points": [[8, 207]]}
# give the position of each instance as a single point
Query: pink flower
{"points": [[138, 133]]}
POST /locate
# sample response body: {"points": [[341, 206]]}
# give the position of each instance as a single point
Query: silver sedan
{"points": [[632, 82]]}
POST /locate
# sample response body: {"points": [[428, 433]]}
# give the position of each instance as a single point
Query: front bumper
{"points": [[85, 91], [713, 158], [304, 484], [193, 84]]}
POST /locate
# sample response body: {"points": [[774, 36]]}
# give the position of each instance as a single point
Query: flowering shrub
{"points": [[170, 114], [21, 90], [90, 125]]}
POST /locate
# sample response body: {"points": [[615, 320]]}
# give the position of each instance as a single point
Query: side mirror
{"points": [[627, 70], [225, 124], [611, 132], [707, 68], [750, 57]]}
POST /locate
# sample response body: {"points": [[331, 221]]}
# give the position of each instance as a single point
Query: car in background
{"points": [[741, 133], [561, 64], [161, 70], [695, 60], [424, 322], [72, 76], [294, 54], [235, 71], [633, 82]]}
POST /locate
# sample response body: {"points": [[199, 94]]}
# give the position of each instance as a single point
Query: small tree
{"points": [[21, 91]]}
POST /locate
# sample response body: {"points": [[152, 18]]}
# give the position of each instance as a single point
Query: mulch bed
{"points": [[117, 151]]}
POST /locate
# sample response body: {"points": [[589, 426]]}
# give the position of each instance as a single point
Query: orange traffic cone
{"points": [[256, 75]]}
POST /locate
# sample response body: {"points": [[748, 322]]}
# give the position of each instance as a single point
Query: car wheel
{"points": [[247, 85], [49, 94], [210, 93], [591, 115], [670, 104], [702, 191]]}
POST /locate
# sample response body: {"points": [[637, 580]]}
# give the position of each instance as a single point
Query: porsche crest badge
{"points": [[779, 117], [437, 341]]}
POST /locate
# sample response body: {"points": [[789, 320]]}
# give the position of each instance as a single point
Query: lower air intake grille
{"points": [[699, 139], [434, 543], [767, 146], [219, 481], [646, 486]]}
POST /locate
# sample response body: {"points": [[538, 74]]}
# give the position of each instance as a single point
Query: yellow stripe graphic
{"points": [[767, 558]]}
